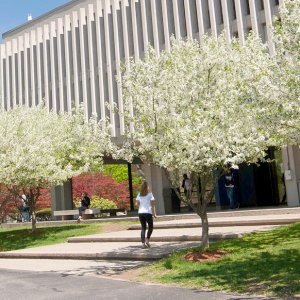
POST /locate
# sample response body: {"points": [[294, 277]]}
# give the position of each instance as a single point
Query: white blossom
{"points": [[196, 106], [199, 107], [40, 148], [287, 99]]}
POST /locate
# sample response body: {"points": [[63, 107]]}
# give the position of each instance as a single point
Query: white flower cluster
{"points": [[40, 148], [286, 32], [199, 106]]}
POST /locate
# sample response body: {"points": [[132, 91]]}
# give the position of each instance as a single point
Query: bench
{"points": [[112, 212], [87, 214], [68, 214]]}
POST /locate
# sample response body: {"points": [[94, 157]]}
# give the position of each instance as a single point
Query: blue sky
{"points": [[14, 12]]}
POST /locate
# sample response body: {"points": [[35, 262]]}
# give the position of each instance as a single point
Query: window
{"points": [[234, 11], [247, 7]]}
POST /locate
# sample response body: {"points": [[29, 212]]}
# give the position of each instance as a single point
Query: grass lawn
{"points": [[22, 238], [264, 263]]}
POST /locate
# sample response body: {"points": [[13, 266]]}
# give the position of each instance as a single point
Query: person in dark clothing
{"points": [[187, 188], [230, 185], [186, 184], [84, 204], [25, 207], [175, 200]]}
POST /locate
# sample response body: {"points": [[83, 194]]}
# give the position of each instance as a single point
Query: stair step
{"points": [[220, 224], [183, 238]]}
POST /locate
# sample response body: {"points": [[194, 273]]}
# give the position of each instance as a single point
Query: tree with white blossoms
{"points": [[40, 149], [286, 33], [194, 110]]}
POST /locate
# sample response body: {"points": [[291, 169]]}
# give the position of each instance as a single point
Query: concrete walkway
{"points": [[110, 254], [168, 236]]}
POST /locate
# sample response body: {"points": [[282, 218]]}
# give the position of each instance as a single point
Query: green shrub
{"points": [[44, 214], [98, 202]]}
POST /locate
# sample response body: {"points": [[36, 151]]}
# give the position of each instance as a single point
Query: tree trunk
{"points": [[199, 208], [34, 198], [33, 221], [205, 229]]}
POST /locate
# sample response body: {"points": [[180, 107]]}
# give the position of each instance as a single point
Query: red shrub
{"points": [[103, 186]]}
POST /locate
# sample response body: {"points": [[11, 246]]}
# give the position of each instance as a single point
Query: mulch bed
{"points": [[203, 256]]}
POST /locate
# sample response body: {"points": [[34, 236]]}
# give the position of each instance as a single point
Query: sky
{"points": [[15, 12]]}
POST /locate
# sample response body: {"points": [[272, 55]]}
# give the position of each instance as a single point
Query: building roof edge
{"points": [[38, 19]]}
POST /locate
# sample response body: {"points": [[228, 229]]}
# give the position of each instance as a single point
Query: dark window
{"points": [[220, 5], [248, 7], [234, 10]]}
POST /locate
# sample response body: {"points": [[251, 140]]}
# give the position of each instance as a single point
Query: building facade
{"points": [[72, 55]]}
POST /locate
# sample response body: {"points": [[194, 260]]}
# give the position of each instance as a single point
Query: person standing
{"points": [[25, 208], [230, 186], [187, 188], [186, 184], [146, 205], [84, 204]]}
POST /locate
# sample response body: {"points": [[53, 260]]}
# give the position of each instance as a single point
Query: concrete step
{"points": [[133, 217], [83, 256], [126, 246], [167, 235], [129, 251], [183, 238], [198, 224]]}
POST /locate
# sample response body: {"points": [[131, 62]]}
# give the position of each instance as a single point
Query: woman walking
{"points": [[145, 203]]}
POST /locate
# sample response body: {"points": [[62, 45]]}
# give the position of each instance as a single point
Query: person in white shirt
{"points": [[146, 205]]}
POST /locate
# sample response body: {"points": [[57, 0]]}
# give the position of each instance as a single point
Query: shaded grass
{"points": [[22, 238], [261, 263]]}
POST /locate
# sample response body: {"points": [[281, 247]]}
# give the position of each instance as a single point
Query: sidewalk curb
{"points": [[87, 256], [181, 216], [183, 238], [220, 224]]}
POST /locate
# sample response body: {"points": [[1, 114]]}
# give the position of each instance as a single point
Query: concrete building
{"points": [[73, 53]]}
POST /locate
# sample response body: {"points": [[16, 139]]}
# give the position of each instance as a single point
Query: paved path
{"points": [[48, 286], [61, 278], [125, 245]]}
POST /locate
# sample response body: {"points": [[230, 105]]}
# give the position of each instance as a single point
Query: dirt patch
{"points": [[36, 232], [203, 256], [112, 227], [129, 275]]}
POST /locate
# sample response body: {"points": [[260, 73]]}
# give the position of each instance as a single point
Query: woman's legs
{"points": [[146, 218], [231, 197], [27, 214], [143, 224], [81, 209], [23, 213], [149, 220]]}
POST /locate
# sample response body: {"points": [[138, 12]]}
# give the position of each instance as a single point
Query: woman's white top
{"points": [[24, 200], [145, 203]]}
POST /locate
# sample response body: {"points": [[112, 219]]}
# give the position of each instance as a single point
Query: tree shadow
{"points": [[24, 238], [262, 240], [277, 273], [261, 262]]}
